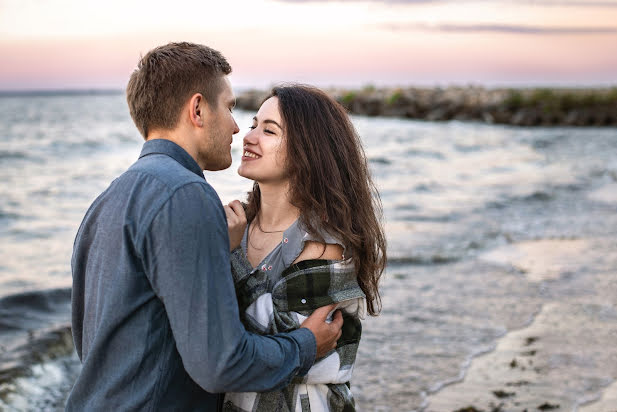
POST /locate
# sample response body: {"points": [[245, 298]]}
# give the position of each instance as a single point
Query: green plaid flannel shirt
{"points": [[303, 287]]}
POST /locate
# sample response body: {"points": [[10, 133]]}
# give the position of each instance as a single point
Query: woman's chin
{"points": [[242, 172]]}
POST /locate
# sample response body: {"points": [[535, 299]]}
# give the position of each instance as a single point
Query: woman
{"points": [[313, 238]]}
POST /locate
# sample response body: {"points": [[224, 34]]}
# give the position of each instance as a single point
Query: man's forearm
{"points": [[264, 363]]}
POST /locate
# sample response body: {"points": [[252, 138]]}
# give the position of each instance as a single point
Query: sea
{"points": [[500, 292]]}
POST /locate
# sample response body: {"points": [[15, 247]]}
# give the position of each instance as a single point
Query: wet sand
{"points": [[566, 357], [608, 402]]}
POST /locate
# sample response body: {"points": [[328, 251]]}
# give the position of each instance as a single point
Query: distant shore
{"points": [[519, 107]]}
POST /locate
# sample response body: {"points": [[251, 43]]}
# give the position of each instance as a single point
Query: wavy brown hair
{"points": [[330, 182]]}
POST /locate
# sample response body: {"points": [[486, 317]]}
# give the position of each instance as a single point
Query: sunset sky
{"points": [[76, 44]]}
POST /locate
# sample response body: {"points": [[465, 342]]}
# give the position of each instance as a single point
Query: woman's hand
{"points": [[236, 223]]}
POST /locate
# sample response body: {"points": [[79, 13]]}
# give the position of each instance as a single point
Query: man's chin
{"points": [[217, 167]]}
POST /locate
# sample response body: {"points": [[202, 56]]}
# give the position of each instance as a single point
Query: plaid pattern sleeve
{"points": [[303, 287]]}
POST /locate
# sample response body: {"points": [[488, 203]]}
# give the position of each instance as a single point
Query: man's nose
{"points": [[236, 128]]}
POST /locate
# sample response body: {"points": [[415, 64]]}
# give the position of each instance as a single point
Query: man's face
{"points": [[215, 148]]}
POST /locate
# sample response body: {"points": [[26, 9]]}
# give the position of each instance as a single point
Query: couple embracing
{"points": [[182, 304]]}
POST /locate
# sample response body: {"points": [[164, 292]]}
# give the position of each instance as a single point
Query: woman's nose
{"points": [[250, 137]]}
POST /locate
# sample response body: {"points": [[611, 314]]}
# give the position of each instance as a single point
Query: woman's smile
{"points": [[249, 155]]}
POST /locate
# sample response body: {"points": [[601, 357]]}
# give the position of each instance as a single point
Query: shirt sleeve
{"points": [[186, 258]]}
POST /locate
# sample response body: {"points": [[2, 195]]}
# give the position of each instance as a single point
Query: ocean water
{"points": [[501, 287]]}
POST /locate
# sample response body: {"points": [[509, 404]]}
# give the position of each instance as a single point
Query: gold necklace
{"points": [[267, 231], [249, 239]]}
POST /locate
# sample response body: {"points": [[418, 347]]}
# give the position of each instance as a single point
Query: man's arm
{"points": [[186, 258]]}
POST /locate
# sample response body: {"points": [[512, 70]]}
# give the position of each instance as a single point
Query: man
{"points": [[155, 317]]}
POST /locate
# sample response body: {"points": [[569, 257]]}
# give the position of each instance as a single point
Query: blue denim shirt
{"points": [[154, 312]]}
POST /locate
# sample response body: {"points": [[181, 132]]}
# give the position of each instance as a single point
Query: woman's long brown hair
{"points": [[330, 182]]}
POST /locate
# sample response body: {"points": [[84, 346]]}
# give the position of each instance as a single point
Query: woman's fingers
{"points": [[238, 209], [229, 213], [236, 223]]}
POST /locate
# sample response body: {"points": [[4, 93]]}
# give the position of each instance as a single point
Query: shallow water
{"points": [[496, 235]]}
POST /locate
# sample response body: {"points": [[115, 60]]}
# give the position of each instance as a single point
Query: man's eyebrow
{"points": [[269, 121]]}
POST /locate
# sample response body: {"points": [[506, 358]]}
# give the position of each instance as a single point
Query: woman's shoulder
{"points": [[319, 243], [318, 250]]}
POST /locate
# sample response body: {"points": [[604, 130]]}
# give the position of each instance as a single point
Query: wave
{"points": [[537, 196], [37, 299], [425, 154], [435, 259], [35, 332], [9, 215], [39, 373], [534, 197], [452, 217], [547, 194], [379, 160], [34, 310], [8, 154]]}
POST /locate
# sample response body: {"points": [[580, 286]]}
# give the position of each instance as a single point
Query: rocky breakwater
{"points": [[520, 107]]}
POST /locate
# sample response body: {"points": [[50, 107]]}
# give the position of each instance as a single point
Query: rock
{"points": [[251, 99], [503, 394], [439, 114], [548, 406], [520, 107], [526, 117], [488, 117]]}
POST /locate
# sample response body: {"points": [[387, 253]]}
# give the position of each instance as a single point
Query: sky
{"points": [[82, 44]]}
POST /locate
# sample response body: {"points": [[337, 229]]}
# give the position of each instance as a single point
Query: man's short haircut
{"points": [[166, 77]]}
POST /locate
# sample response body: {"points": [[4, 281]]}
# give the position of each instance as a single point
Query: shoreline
{"points": [[528, 365], [517, 107]]}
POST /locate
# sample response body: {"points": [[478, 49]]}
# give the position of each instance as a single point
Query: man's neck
{"points": [[178, 138]]}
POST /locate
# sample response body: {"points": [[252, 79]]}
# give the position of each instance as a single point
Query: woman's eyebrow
{"points": [[269, 121]]}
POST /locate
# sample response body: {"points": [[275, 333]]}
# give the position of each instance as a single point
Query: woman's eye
{"points": [[268, 131], [252, 127]]}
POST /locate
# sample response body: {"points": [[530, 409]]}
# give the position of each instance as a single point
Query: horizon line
{"points": [[42, 92], [58, 92]]}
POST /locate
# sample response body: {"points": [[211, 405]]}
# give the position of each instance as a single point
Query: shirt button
{"points": [[303, 300], [285, 240]]}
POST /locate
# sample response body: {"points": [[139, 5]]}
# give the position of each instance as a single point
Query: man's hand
{"points": [[326, 334], [236, 223]]}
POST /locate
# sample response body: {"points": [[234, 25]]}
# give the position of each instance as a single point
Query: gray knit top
{"points": [[284, 254]]}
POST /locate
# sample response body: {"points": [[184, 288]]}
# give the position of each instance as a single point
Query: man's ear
{"points": [[197, 110]]}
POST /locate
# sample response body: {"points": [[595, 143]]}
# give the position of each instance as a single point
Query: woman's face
{"points": [[264, 153]]}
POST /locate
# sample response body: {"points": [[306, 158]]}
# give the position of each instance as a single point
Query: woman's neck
{"points": [[276, 211]]}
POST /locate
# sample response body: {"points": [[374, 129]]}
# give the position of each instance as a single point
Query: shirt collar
{"points": [[171, 149]]}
